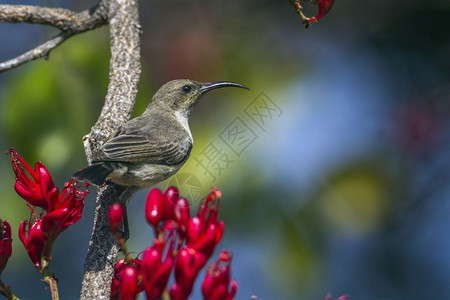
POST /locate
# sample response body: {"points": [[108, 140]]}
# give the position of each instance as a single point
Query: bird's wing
{"points": [[135, 147]]}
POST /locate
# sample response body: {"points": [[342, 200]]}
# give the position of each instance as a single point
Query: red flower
{"points": [[35, 186], [205, 231], [217, 285], [188, 265], [155, 270], [116, 279], [160, 207], [60, 210], [170, 200], [324, 8], [128, 283], [182, 216], [115, 215], [125, 283], [154, 208], [64, 210], [5, 244], [33, 238], [169, 215]]}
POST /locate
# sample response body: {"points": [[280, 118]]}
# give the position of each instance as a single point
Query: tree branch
{"points": [[40, 51], [70, 23], [63, 19], [125, 69]]}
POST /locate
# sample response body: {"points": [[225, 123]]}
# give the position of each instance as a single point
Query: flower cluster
{"points": [[183, 243], [203, 233], [59, 210]]}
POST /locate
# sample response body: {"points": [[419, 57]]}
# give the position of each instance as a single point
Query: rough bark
{"points": [[124, 75], [63, 19]]}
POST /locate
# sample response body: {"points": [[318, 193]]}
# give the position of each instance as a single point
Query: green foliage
{"points": [[50, 105]]}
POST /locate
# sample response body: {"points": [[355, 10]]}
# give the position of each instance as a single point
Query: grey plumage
{"points": [[150, 148]]}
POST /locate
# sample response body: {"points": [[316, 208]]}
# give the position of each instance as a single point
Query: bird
{"points": [[154, 146]]}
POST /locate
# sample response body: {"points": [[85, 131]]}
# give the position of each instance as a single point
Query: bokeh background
{"points": [[338, 181]]}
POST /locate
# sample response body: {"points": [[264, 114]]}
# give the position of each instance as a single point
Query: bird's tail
{"points": [[95, 174]]}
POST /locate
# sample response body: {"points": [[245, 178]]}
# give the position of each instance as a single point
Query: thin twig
{"points": [[5, 290], [40, 51], [53, 284], [49, 277], [70, 23], [299, 9]]}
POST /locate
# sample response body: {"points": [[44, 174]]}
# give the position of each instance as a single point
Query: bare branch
{"points": [[60, 18], [40, 51], [69, 22], [63, 19], [125, 69]]}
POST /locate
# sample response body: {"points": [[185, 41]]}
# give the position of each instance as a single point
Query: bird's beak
{"points": [[206, 87]]}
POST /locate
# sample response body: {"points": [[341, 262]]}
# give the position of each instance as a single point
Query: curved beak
{"points": [[206, 87]]}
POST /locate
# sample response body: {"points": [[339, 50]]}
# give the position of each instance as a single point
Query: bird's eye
{"points": [[186, 88]]}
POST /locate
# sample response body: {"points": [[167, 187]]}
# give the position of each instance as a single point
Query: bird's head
{"points": [[181, 95]]}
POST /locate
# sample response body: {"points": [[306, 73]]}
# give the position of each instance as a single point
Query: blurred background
{"points": [[334, 168]]}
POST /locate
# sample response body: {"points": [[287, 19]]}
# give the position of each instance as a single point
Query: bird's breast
{"points": [[143, 175], [183, 120]]}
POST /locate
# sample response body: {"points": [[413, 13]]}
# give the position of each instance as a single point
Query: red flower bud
{"points": [[33, 239], [35, 186], [182, 216], [217, 285], [176, 292], [171, 198], [188, 265], [125, 283], [324, 8], [154, 270], [30, 193], [128, 283], [194, 230], [205, 231], [154, 207], [116, 279], [115, 215], [5, 244], [48, 189], [210, 238], [151, 260]]}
